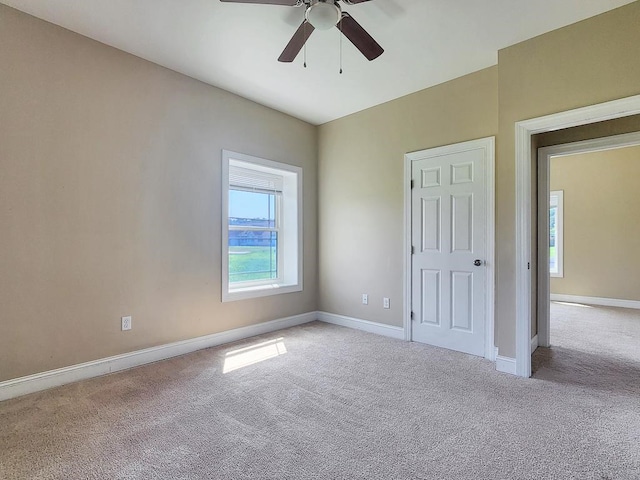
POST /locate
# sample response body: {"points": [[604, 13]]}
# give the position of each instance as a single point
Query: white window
{"points": [[556, 233], [261, 227]]}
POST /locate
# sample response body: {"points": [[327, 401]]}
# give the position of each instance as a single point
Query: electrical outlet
{"points": [[365, 299], [126, 323], [385, 303]]}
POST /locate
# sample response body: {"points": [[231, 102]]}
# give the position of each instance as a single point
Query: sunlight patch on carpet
{"points": [[243, 357]]}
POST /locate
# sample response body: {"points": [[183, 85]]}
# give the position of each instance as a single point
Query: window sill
{"points": [[259, 291]]}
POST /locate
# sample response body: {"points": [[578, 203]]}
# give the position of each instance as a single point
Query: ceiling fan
{"points": [[323, 15]]}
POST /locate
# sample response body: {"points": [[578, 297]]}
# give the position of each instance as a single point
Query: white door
{"points": [[449, 244]]}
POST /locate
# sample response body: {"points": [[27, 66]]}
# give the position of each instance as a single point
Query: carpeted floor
{"points": [[333, 403], [592, 346]]}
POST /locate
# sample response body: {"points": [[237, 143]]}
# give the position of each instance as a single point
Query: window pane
{"points": [[252, 209], [252, 255], [553, 253]]}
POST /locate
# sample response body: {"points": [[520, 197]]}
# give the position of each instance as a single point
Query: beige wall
{"points": [[361, 187], [601, 227], [361, 156], [586, 63], [110, 200]]}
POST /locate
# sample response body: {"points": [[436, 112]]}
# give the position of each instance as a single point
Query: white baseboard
{"points": [[506, 364], [605, 302], [61, 376], [365, 325]]}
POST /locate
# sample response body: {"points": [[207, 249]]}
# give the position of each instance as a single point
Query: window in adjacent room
{"points": [[261, 227], [556, 234]]}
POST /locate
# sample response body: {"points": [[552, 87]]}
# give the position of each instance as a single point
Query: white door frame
{"points": [[544, 175], [487, 143], [524, 130]]}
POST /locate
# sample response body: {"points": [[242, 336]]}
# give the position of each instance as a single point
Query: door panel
{"points": [[431, 177], [462, 223], [431, 295], [430, 224], [461, 301]]}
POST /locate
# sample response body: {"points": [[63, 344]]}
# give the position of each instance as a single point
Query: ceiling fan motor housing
{"points": [[323, 15]]}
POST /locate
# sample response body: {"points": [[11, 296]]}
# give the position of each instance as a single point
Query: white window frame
{"points": [[556, 199], [288, 224]]}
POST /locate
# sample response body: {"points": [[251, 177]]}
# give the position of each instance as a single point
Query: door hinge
{"points": [[411, 315], [528, 265], [413, 249], [412, 184]]}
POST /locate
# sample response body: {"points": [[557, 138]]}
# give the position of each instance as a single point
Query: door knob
{"points": [[477, 262]]}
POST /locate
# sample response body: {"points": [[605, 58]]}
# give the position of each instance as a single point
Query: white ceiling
{"points": [[235, 46]]}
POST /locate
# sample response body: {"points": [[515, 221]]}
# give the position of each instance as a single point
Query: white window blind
{"points": [[254, 181]]}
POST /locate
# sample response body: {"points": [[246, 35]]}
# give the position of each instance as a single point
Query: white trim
{"points": [[490, 270], [62, 376], [601, 301], [364, 325], [506, 365], [534, 343], [543, 252], [593, 145], [524, 130], [488, 144], [406, 267]]}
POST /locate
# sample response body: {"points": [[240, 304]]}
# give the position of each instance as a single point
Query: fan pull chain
{"points": [[340, 46], [305, 43]]}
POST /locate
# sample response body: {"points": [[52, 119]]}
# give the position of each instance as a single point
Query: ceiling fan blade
{"points": [[296, 43], [288, 3], [354, 2], [359, 37]]}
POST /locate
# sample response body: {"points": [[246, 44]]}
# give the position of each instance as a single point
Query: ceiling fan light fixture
{"points": [[323, 15]]}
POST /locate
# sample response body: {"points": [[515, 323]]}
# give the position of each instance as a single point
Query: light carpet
{"points": [[330, 403]]}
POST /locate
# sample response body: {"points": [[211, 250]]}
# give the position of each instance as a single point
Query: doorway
{"points": [[601, 200], [524, 132]]}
